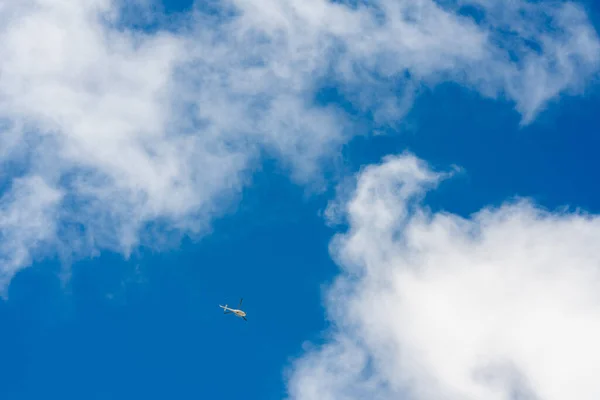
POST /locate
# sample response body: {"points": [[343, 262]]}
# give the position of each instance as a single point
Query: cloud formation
{"points": [[156, 131], [499, 306]]}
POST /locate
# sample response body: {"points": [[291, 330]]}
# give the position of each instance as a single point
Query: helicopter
{"points": [[238, 312]]}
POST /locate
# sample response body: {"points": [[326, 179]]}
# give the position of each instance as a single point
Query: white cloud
{"points": [[164, 128], [502, 305], [27, 222]]}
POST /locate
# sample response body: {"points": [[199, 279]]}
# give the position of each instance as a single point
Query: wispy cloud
{"points": [[164, 127], [28, 215], [501, 305]]}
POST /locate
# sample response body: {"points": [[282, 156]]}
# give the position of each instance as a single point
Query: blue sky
{"points": [[97, 308]]}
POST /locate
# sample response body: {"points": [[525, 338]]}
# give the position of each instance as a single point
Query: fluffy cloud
{"points": [[163, 127], [502, 305]]}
